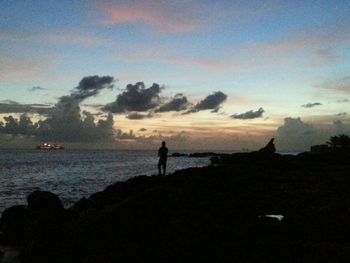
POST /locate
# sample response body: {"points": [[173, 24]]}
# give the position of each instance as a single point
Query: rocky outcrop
{"points": [[34, 227], [252, 207], [47, 209], [269, 148], [16, 224]]}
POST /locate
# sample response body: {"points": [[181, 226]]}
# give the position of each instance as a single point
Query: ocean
{"points": [[73, 174]]}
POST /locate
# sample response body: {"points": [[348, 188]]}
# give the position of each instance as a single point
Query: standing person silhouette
{"points": [[163, 155]]}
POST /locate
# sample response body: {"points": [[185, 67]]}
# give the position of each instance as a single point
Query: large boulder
{"points": [[46, 208], [16, 225], [44, 201]]}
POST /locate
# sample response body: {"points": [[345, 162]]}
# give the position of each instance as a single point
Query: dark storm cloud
{"points": [[36, 88], [14, 108], [136, 98], [211, 102], [94, 114], [91, 86], [341, 114], [311, 105], [65, 122], [125, 136], [249, 115], [138, 116], [216, 110], [14, 126], [8, 106], [178, 103]]}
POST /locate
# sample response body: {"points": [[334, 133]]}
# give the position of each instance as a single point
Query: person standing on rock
{"points": [[163, 155]]}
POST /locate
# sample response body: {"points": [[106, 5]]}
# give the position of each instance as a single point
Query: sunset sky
{"points": [[247, 70]]}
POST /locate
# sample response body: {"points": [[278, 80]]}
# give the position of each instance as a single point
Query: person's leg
{"points": [[159, 170], [164, 168]]}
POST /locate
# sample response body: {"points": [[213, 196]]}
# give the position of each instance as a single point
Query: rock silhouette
{"points": [[218, 213], [269, 148]]}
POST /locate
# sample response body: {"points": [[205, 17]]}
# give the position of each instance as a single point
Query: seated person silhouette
{"points": [[163, 155]]}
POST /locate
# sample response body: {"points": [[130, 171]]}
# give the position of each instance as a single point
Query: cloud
{"points": [[94, 114], [341, 114], [343, 100], [341, 85], [138, 116], [324, 56], [295, 126], [174, 17], [142, 129], [249, 115], [65, 122], [340, 127], [211, 102], [8, 106], [311, 105], [90, 86], [125, 136], [29, 68], [178, 103], [170, 57], [179, 17], [298, 135], [136, 98], [22, 126], [36, 88]]}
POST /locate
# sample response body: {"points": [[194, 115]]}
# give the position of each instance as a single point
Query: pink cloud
{"points": [[19, 69], [164, 16], [164, 56]]}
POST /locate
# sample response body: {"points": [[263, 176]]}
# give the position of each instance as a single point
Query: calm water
{"points": [[75, 174]]}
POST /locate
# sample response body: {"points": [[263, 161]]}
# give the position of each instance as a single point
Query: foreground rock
{"points": [[269, 148], [231, 212]]}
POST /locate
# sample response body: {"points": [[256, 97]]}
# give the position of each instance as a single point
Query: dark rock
{"points": [[16, 225], [203, 154], [211, 214], [269, 148], [47, 209], [178, 154], [82, 206], [40, 201]]}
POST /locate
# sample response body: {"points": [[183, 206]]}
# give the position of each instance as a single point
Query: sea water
{"points": [[73, 174]]}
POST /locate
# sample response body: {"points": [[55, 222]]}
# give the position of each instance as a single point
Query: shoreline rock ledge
{"points": [[249, 207]]}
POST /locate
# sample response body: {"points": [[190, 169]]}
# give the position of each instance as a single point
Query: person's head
{"points": [[163, 143]]}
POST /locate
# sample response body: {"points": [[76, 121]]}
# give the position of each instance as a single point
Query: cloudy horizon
{"points": [[228, 75]]}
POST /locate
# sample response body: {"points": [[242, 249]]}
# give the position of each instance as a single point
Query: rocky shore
{"points": [[246, 207]]}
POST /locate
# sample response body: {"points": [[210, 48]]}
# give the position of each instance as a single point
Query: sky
{"points": [[199, 74]]}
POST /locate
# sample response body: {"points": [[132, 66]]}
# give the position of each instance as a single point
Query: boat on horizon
{"points": [[49, 146]]}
